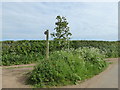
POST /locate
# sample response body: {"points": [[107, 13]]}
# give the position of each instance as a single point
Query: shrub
{"points": [[67, 67]]}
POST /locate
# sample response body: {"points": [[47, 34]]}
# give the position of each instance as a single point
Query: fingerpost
{"points": [[47, 44]]}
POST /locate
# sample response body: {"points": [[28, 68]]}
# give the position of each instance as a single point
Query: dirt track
{"points": [[15, 78]]}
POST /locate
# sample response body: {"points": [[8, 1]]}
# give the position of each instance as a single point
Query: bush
{"points": [[22, 52], [67, 67], [17, 59], [110, 47]]}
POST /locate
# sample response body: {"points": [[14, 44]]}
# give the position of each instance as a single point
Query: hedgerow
{"points": [[30, 51]]}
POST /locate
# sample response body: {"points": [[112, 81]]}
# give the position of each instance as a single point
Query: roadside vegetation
{"points": [[68, 67]]}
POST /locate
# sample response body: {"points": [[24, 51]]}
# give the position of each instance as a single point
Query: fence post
{"points": [[47, 44]]}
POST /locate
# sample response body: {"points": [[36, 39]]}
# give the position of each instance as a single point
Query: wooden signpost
{"points": [[47, 44]]}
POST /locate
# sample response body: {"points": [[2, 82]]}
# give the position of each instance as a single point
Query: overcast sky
{"points": [[87, 20]]}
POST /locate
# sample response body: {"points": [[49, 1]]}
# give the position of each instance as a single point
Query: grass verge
{"points": [[68, 67]]}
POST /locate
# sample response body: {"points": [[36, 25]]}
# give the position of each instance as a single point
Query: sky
{"points": [[87, 20]]}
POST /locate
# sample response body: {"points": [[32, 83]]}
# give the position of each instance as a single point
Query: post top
{"points": [[46, 32]]}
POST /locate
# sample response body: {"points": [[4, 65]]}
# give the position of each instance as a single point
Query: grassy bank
{"points": [[68, 67]]}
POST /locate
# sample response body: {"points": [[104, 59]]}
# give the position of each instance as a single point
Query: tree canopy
{"points": [[62, 31]]}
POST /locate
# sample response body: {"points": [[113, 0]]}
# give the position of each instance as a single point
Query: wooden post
{"points": [[47, 44]]}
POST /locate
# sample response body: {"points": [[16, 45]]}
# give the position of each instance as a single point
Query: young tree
{"points": [[62, 33]]}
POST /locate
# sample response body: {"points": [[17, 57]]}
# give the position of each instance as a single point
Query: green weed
{"points": [[68, 67]]}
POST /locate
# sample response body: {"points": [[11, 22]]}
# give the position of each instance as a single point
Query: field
{"points": [[82, 60]]}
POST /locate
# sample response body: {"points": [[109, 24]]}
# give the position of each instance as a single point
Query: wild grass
{"points": [[68, 67]]}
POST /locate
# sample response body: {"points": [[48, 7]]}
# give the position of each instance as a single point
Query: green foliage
{"points": [[30, 51], [62, 29], [22, 52], [62, 33], [111, 48], [68, 67]]}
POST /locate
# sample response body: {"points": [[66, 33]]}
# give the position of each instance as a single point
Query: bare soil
{"points": [[15, 78]]}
